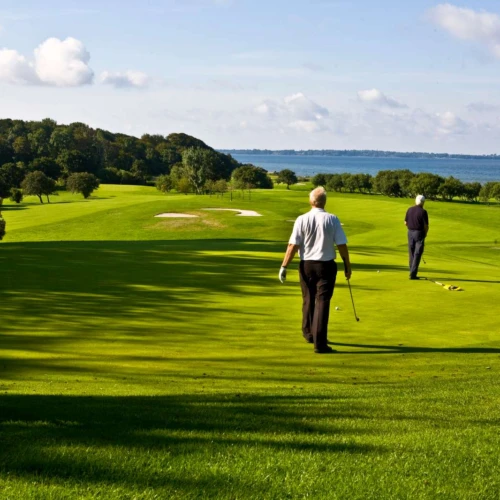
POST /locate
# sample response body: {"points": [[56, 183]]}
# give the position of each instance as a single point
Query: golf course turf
{"points": [[146, 358]]}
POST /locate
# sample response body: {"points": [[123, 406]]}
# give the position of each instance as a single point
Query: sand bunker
{"points": [[241, 213], [174, 215]]}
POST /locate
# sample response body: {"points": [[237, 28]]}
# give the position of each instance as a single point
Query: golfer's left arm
{"points": [[344, 253]]}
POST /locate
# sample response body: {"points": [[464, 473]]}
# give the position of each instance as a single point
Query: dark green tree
{"points": [[250, 175], [427, 184], [13, 174], [164, 183], [16, 195], [38, 184], [83, 183], [335, 183], [288, 177], [451, 188], [386, 182], [47, 165], [471, 191], [486, 191]]}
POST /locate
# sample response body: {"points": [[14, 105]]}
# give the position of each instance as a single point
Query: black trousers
{"points": [[317, 280], [416, 240]]}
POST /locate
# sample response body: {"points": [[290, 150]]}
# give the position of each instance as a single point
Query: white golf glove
{"points": [[282, 274]]}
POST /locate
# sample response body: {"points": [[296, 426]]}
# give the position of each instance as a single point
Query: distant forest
{"points": [[356, 152], [38, 157]]}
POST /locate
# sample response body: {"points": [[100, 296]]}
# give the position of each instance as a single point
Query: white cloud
{"points": [[60, 63], [296, 111], [127, 79], [376, 97], [468, 24], [302, 108], [15, 68], [308, 126], [483, 107]]}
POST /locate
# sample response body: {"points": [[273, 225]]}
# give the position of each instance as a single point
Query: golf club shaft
{"points": [[352, 300]]}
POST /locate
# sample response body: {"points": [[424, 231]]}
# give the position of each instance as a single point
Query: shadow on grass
{"points": [[107, 439], [401, 349]]}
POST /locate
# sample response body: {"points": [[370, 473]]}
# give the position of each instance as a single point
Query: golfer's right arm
{"points": [[291, 250], [344, 253]]}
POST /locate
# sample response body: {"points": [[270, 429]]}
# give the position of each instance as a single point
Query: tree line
{"points": [[38, 157], [406, 184]]}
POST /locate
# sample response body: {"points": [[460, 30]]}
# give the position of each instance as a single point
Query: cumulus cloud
{"points": [[127, 79], [296, 111], [15, 68], [61, 63], [468, 24], [376, 97]]}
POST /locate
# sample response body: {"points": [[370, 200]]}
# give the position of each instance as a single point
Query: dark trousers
{"points": [[317, 280], [416, 241]]}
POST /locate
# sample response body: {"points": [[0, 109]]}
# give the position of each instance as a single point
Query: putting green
{"points": [[163, 359]]}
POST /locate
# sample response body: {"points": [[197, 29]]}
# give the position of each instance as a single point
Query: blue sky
{"points": [[415, 75]]}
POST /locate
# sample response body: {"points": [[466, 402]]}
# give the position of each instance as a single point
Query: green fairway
{"points": [[158, 358]]}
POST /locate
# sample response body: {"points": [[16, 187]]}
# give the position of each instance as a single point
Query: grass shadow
{"points": [[401, 349]]}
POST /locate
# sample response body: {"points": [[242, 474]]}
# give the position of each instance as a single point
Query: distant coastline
{"points": [[357, 153]]}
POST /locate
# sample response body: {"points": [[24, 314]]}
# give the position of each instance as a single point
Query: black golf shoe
{"points": [[324, 350]]}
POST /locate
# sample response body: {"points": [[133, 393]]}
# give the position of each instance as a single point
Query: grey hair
{"points": [[318, 196], [420, 199]]}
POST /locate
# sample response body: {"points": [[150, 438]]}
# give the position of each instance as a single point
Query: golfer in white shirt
{"points": [[314, 236]]}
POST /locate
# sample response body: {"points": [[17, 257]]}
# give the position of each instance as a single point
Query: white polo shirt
{"points": [[316, 233]]}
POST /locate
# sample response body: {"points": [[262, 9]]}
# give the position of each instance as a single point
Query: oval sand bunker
{"points": [[174, 215], [242, 213]]}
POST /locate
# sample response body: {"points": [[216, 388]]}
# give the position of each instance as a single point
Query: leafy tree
{"points": [[16, 195], [486, 191], [13, 174], [335, 183], [38, 184], [83, 183], [22, 149], [110, 175], [169, 155], [140, 170], [451, 188], [250, 175], [221, 186], [349, 182], [404, 180], [183, 185], [195, 168], [427, 184], [73, 161], [288, 177], [164, 183], [471, 191], [363, 182], [495, 191], [47, 165], [319, 180], [386, 182]]}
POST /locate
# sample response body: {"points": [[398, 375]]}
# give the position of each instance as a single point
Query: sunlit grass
{"points": [[148, 358]]}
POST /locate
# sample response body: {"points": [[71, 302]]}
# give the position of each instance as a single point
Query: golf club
{"points": [[352, 300]]}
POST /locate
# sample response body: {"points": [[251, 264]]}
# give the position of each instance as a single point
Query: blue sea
{"points": [[464, 169]]}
